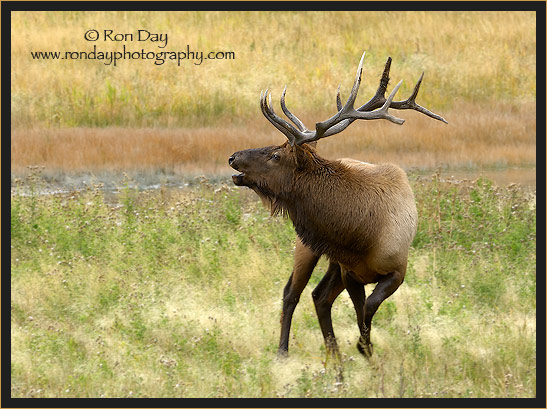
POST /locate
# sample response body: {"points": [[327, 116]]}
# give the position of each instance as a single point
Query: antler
{"points": [[376, 108]]}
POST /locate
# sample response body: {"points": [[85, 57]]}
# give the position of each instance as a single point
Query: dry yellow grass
{"points": [[87, 116], [472, 56], [477, 135]]}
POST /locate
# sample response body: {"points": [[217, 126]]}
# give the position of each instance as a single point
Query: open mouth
{"points": [[238, 179]]}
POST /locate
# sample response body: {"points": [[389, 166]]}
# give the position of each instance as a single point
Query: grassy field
{"points": [[177, 293], [74, 115], [480, 138], [475, 57]]}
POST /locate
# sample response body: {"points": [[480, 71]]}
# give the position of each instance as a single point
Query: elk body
{"points": [[361, 216]]}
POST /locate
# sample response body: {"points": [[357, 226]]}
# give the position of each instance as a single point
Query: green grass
{"points": [[177, 293]]}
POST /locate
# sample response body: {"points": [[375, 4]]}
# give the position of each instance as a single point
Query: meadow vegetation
{"points": [[177, 293], [72, 114], [475, 139], [477, 57]]}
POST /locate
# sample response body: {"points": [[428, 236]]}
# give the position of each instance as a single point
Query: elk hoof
{"points": [[282, 353], [366, 348]]}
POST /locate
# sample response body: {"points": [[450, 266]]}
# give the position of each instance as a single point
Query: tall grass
{"points": [[496, 136], [477, 57], [177, 294]]}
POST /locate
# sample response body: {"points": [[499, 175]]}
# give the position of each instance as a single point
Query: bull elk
{"points": [[361, 216]]}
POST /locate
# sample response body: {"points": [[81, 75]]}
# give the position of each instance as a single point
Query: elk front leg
{"points": [[324, 294], [304, 263]]}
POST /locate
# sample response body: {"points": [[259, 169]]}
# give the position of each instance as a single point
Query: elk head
{"points": [[269, 170]]}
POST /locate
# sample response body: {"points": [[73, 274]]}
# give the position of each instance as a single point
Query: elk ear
{"points": [[312, 145], [303, 156]]}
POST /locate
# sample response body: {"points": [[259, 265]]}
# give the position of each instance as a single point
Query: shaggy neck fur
{"points": [[331, 206]]}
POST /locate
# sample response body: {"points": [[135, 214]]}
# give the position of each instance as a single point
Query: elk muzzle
{"points": [[235, 163]]}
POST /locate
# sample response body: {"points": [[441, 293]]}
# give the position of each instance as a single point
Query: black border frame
{"points": [[8, 6]]}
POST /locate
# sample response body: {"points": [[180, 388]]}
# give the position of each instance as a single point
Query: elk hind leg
{"points": [[304, 263], [385, 287], [356, 291]]}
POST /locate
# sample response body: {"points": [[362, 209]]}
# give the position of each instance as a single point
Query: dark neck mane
{"points": [[319, 205]]}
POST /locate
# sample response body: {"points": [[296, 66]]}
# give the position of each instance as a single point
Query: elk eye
{"points": [[275, 157]]}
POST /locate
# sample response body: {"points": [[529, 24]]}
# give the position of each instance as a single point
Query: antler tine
{"points": [[299, 124], [379, 97], [322, 127], [272, 117], [410, 103], [416, 88], [356, 84], [338, 100], [387, 104], [295, 136]]}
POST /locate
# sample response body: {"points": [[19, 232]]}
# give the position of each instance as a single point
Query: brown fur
{"points": [[360, 215]]}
